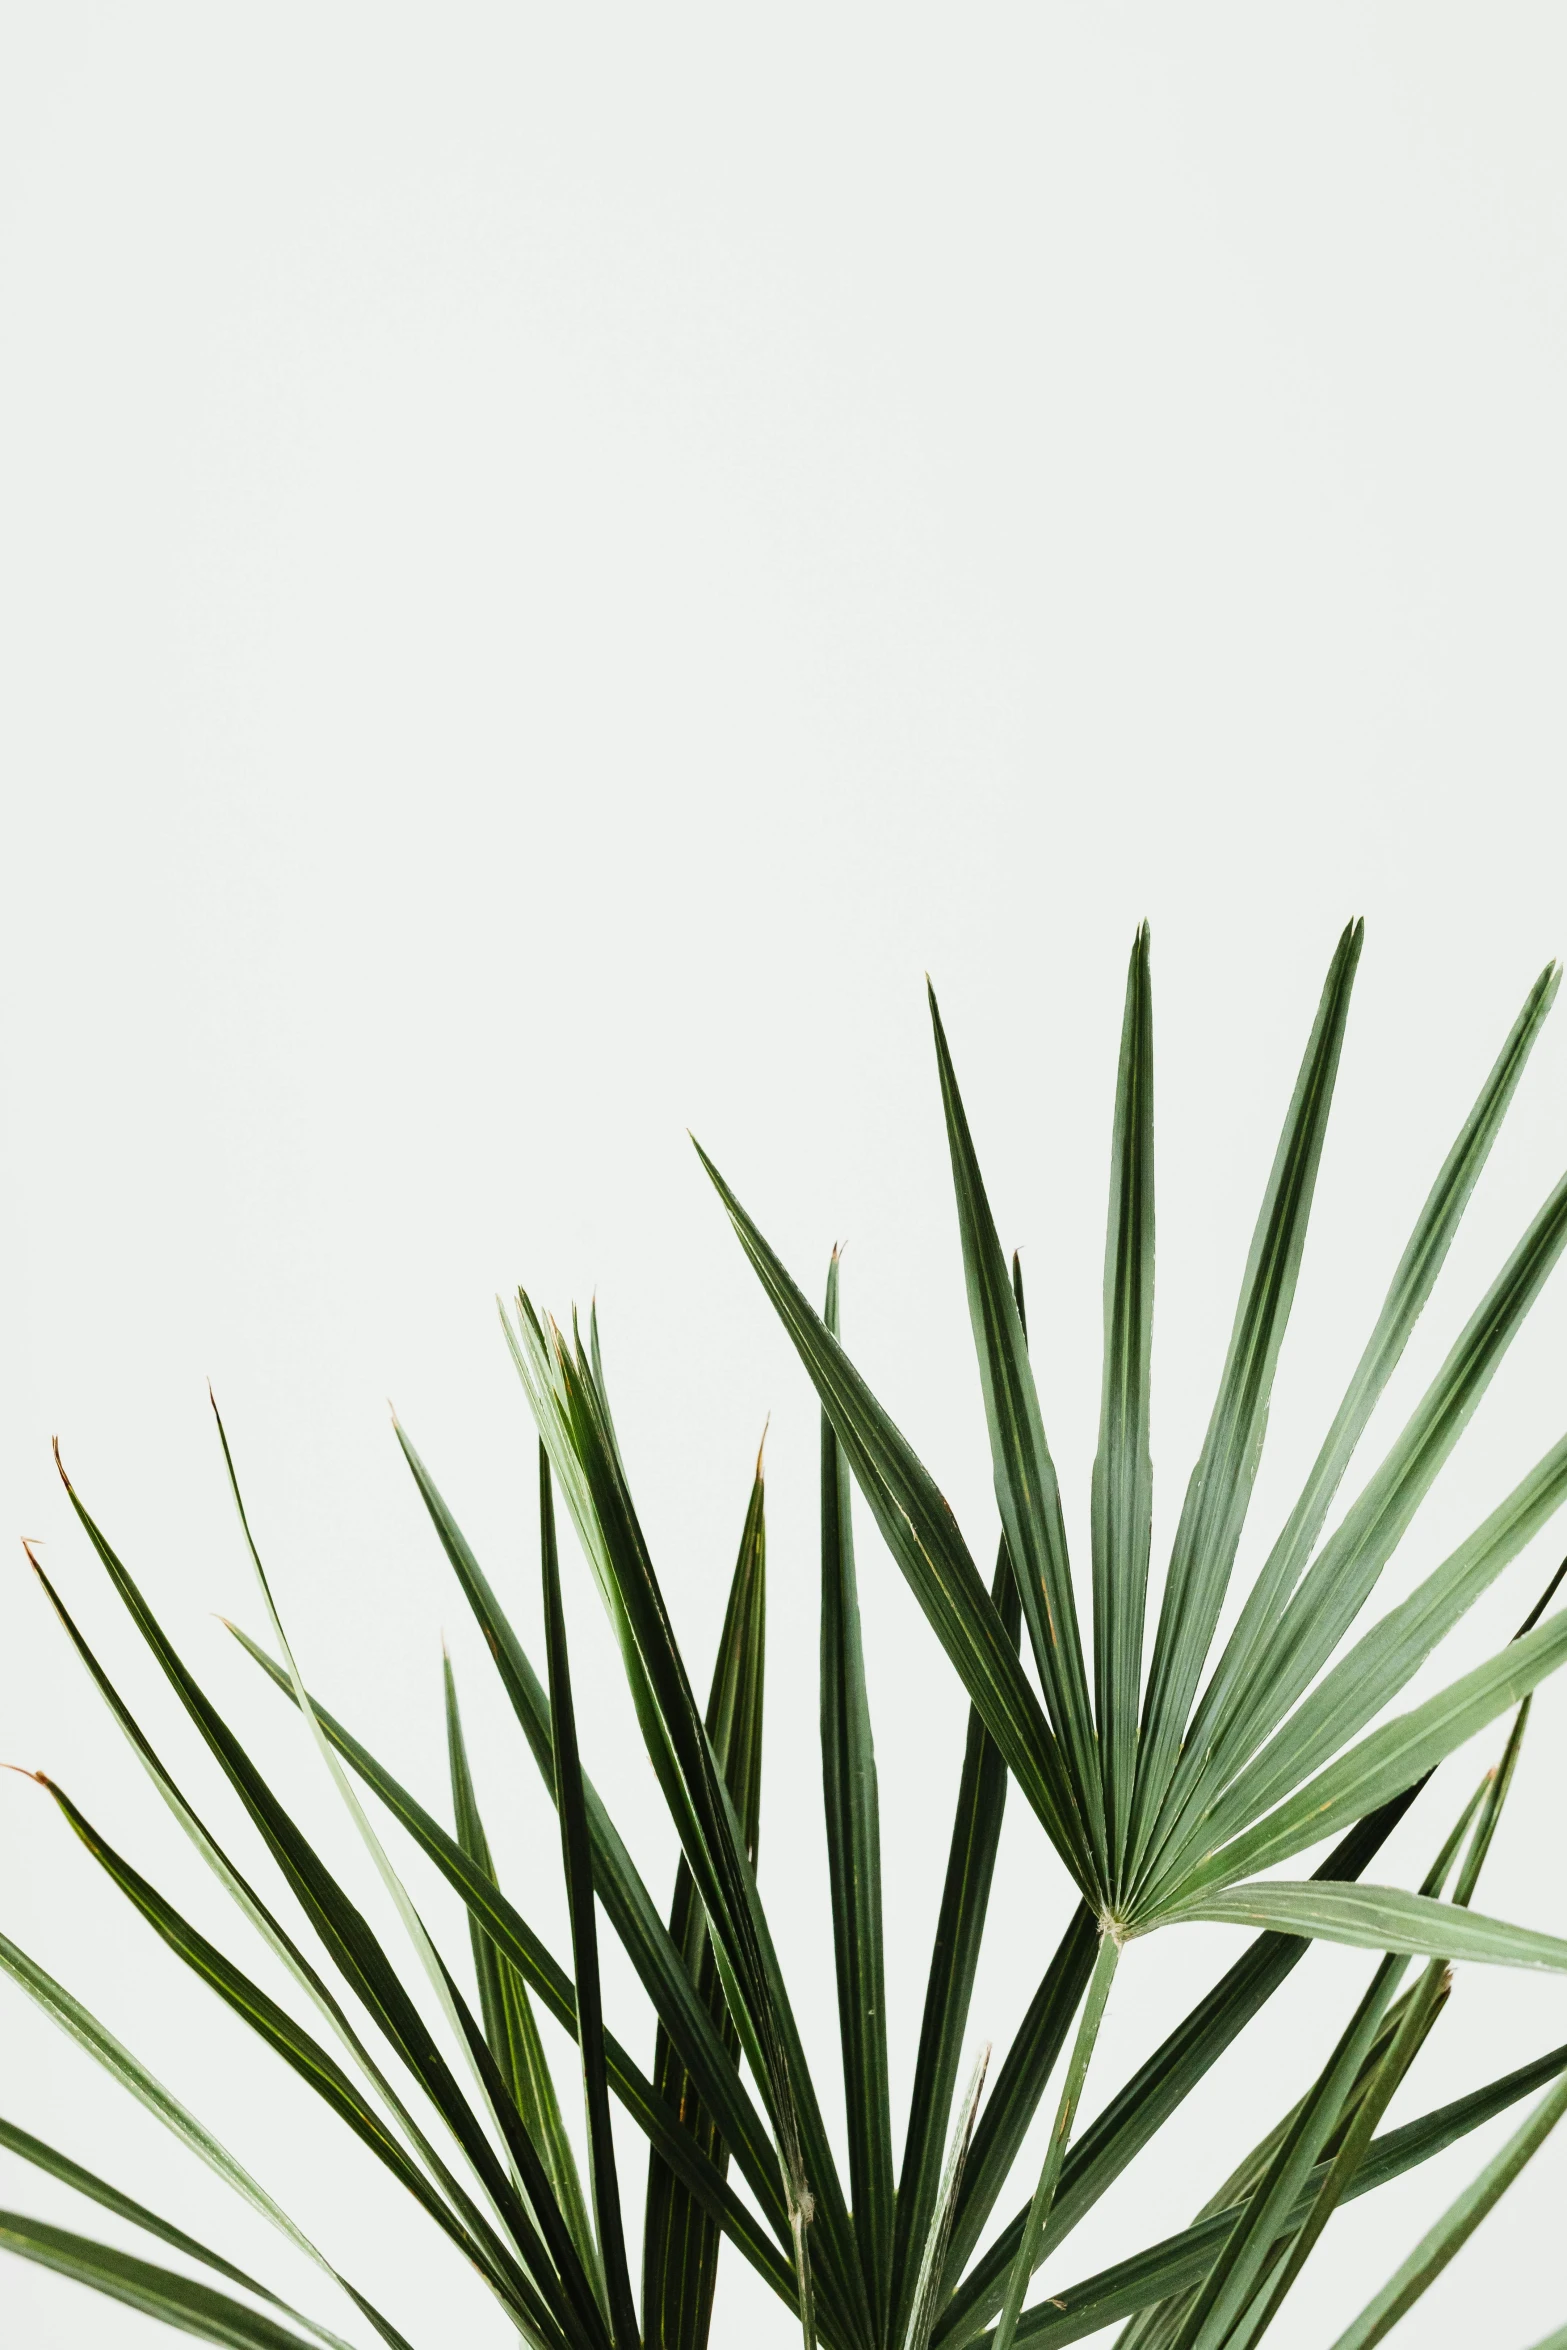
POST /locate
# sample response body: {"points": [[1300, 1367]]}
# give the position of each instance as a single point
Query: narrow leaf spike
{"points": [[923, 1537], [157, 2292], [577, 1860], [1055, 2152], [553, 1986], [1411, 1285], [1456, 2225], [1025, 1478], [854, 1867], [965, 1896], [1122, 1514], [680, 2238], [507, 2012], [927, 2285], [1220, 1490]]}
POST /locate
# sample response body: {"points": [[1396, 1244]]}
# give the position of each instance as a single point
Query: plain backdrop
{"points": [[553, 563]]}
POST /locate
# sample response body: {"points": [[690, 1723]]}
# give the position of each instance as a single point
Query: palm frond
{"points": [[1166, 1795]]}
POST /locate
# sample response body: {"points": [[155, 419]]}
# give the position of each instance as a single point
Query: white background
{"points": [[553, 563]]}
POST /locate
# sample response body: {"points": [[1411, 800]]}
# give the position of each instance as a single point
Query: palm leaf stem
{"points": [[1159, 2086], [1055, 2153], [1183, 2260]]}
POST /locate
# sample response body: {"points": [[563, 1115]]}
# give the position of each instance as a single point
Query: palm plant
{"points": [[1166, 1789]]}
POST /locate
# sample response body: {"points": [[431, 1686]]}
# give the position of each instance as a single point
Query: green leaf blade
{"points": [[1382, 1662], [1024, 1474], [509, 2025], [965, 1895], [570, 1420], [923, 1537], [1221, 1484], [1122, 1497], [174, 2300], [1373, 1771], [1212, 1742], [552, 1985], [680, 2237], [577, 1862], [1456, 2225], [933, 2257], [1158, 2088], [1381, 1917], [1341, 1578], [853, 1817]]}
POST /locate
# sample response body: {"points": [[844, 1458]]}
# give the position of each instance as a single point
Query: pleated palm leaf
{"points": [[1164, 1792]]}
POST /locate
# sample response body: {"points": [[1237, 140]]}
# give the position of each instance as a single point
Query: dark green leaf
{"points": [[965, 1895], [509, 2026], [71, 2174], [1242, 2263], [158, 2292], [933, 2258], [578, 1865], [1393, 2048], [565, 1405], [1022, 2080], [1498, 1788], [922, 1534], [552, 1985], [1024, 1474], [305, 2056], [854, 1871], [619, 1885], [680, 2239], [343, 1929], [281, 1942]]}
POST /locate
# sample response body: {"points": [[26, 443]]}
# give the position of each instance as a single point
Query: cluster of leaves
{"points": [[1166, 1783]]}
